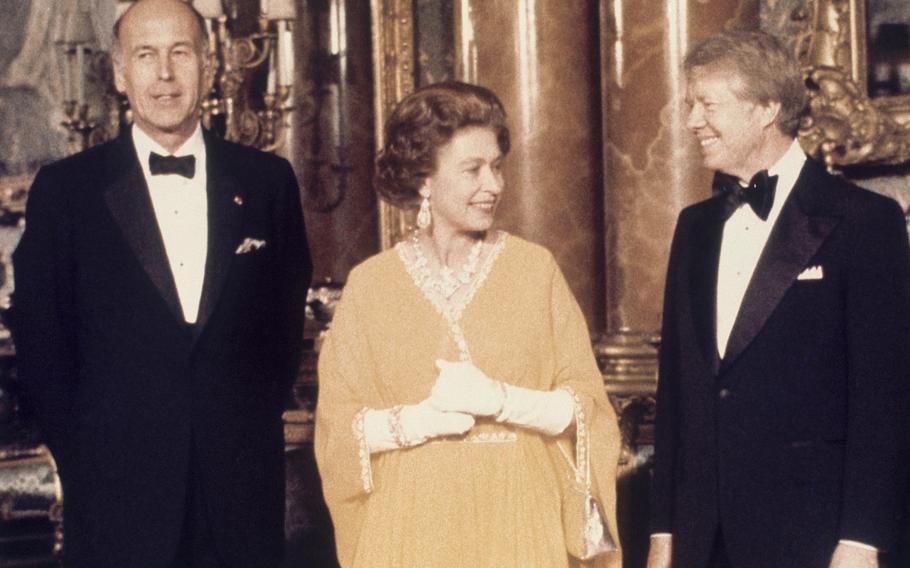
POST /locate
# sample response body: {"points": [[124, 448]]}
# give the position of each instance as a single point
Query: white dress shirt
{"points": [[744, 238], [181, 209]]}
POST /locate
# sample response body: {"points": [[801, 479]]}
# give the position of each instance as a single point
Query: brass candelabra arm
{"points": [[246, 52], [274, 119], [265, 129], [78, 124]]}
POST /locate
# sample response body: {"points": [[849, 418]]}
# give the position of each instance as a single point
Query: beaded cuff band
{"points": [[395, 427], [363, 452]]}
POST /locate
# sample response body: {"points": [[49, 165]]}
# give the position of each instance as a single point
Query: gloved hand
{"points": [[417, 423], [462, 387], [550, 412]]}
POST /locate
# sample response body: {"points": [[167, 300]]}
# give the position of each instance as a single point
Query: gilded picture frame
{"points": [[844, 126], [393, 78]]}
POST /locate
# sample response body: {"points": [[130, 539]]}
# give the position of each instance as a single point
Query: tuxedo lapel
{"points": [[128, 200], [225, 216], [706, 241], [804, 223]]}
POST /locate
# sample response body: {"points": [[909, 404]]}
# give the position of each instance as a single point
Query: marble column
{"points": [[331, 142], [652, 170], [540, 57], [652, 164]]}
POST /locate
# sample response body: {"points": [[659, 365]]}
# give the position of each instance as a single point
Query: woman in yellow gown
{"points": [[456, 365]]}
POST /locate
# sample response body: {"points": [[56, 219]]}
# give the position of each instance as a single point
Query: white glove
{"points": [[550, 412], [417, 423], [462, 387]]}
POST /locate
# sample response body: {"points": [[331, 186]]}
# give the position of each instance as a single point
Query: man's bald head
{"points": [[140, 8]]}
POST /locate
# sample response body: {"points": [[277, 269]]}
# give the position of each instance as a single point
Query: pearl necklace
{"points": [[446, 282]]}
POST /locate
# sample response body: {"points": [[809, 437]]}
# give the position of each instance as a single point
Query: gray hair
{"points": [[767, 71]]}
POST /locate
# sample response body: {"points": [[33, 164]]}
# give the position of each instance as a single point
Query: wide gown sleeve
{"points": [[577, 371], [345, 392]]}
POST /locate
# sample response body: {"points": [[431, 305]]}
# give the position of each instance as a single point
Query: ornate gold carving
{"points": [[393, 77], [628, 362], [30, 488], [14, 193], [844, 126], [298, 426], [264, 128]]}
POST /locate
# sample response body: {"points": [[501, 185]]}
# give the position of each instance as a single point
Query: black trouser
{"points": [[719, 557], [197, 546]]}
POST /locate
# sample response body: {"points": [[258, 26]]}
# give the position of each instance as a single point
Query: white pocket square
{"points": [[812, 273], [249, 245]]}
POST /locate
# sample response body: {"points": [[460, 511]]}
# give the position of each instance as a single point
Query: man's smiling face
{"points": [[730, 128]]}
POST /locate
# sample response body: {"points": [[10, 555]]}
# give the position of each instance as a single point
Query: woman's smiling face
{"points": [[466, 185]]}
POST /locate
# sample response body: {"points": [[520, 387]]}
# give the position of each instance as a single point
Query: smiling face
{"points": [[162, 67], [733, 132], [466, 185]]}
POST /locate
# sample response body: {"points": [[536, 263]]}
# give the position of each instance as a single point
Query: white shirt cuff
{"points": [[858, 545]]}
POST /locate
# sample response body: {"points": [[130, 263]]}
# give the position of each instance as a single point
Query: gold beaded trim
{"points": [[452, 312], [581, 439], [480, 438], [363, 452]]}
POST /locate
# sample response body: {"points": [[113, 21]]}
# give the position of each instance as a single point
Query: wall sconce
{"points": [[236, 58], [258, 119], [77, 47]]}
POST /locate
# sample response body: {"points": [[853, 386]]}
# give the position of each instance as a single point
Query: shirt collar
{"points": [[145, 145], [787, 170]]}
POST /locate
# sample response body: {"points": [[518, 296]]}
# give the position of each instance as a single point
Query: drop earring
{"points": [[423, 215]]}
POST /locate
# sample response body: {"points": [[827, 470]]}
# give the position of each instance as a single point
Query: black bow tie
{"points": [[184, 166], [759, 194]]}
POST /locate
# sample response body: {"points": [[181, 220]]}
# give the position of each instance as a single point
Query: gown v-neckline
{"points": [[451, 311]]}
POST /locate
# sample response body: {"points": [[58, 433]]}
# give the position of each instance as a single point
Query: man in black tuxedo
{"points": [[785, 359], [158, 312]]}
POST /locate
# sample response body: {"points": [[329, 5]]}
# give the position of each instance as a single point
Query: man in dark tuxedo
{"points": [[157, 317], [785, 358]]}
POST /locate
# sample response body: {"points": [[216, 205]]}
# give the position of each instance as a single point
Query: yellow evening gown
{"points": [[490, 498]]}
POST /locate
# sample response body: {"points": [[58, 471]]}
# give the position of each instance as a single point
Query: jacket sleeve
{"points": [[665, 443], [42, 315], [878, 342], [293, 279]]}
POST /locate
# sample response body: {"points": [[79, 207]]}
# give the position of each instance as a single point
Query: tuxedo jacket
{"points": [[130, 398], [796, 437]]}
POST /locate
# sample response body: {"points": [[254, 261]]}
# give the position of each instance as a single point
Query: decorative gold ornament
{"points": [[393, 77], [236, 58], [844, 125]]}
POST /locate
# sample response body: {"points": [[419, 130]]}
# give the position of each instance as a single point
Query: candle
{"points": [[270, 87], [278, 9], [80, 76], [67, 79], [286, 57], [208, 8]]}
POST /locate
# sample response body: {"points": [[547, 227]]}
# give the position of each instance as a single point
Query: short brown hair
{"points": [[767, 70], [424, 121]]}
